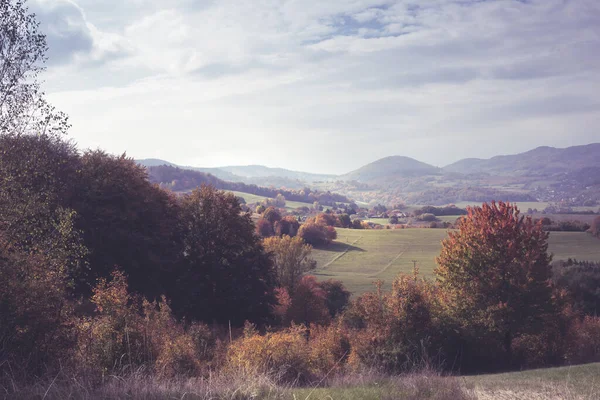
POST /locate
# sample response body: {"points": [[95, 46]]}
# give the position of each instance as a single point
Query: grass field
{"points": [[575, 382], [290, 205], [580, 382], [360, 257]]}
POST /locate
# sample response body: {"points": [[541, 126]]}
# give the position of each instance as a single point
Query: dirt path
{"points": [[341, 254], [388, 265]]}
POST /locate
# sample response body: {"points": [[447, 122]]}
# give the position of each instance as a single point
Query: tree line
{"points": [[178, 179]]}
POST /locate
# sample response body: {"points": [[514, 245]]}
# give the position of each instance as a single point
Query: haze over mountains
{"points": [[539, 161]]}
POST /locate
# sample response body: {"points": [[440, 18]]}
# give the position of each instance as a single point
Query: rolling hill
{"points": [[541, 161], [391, 168], [570, 176]]}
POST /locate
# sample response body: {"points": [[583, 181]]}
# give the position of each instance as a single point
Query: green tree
{"points": [[292, 260], [495, 271], [225, 273]]}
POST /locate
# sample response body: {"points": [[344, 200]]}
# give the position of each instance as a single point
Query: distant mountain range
{"points": [[540, 161], [545, 173]]}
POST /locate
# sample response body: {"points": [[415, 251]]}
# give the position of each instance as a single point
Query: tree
{"points": [[495, 272], [272, 215], [344, 220], [315, 234], [264, 228], [394, 220], [292, 260], [326, 219], [23, 108], [308, 304], [225, 275], [337, 296], [595, 228], [127, 222], [37, 185], [288, 225]]}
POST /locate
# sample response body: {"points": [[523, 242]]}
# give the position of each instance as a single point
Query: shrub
{"points": [[583, 345], [394, 331], [283, 355], [35, 314], [316, 234]]}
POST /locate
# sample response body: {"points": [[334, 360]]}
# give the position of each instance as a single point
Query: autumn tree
{"points": [[272, 215], [326, 219], [264, 228], [317, 234], [225, 273], [495, 271], [291, 258], [308, 303], [127, 222]]}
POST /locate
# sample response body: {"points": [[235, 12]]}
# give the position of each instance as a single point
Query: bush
{"points": [[126, 333], [283, 355], [584, 341], [35, 315], [315, 234]]}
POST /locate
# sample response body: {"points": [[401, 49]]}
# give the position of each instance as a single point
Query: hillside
{"points": [[182, 180], [542, 161], [260, 171], [390, 168], [568, 176]]}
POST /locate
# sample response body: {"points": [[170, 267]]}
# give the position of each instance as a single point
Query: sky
{"points": [[323, 85]]}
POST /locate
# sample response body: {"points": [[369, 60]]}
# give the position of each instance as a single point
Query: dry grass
{"points": [[580, 382], [424, 386]]}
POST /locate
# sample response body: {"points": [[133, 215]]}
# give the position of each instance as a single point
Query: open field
{"points": [[580, 382], [359, 257], [525, 205], [575, 382], [290, 205]]}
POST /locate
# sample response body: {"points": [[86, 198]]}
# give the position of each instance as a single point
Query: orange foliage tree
{"points": [[495, 273]]}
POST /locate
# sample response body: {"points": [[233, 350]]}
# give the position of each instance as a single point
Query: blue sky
{"points": [[324, 86]]}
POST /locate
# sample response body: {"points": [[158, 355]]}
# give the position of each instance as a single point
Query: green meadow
{"points": [[360, 257]]}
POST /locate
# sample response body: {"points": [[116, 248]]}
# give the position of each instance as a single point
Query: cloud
{"points": [[228, 82], [66, 31]]}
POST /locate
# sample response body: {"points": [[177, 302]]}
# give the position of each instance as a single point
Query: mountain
{"points": [[218, 172], [260, 171], [542, 161], [390, 168], [153, 162]]}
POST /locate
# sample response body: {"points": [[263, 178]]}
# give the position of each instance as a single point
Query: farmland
{"points": [[360, 257], [289, 205]]}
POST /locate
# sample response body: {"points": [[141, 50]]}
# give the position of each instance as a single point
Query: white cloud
{"points": [[325, 86]]}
